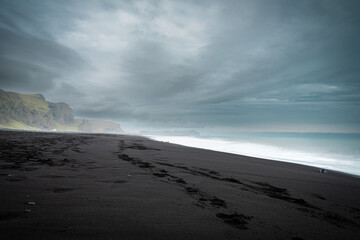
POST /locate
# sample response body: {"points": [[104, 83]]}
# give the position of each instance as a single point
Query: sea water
{"points": [[332, 151]]}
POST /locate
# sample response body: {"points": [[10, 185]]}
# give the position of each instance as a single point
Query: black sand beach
{"points": [[97, 186]]}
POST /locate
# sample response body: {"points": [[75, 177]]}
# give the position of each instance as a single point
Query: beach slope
{"points": [[98, 186]]}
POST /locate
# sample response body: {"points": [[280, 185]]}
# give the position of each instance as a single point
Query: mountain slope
{"points": [[33, 112]]}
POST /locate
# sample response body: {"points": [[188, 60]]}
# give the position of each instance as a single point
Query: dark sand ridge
{"points": [[94, 186]]}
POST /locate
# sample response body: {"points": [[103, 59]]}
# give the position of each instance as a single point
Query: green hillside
{"points": [[12, 124], [33, 112], [35, 101]]}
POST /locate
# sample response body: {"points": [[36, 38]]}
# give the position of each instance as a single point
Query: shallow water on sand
{"points": [[340, 152]]}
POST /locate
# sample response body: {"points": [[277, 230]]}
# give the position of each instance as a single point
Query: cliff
{"points": [[33, 112]]}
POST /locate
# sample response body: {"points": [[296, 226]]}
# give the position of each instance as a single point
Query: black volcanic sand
{"points": [[96, 186]]}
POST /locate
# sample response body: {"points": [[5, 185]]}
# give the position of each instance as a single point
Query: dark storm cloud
{"points": [[30, 59], [304, 46], [190, 63], [32, 64], [16, 74], [155, 72]]}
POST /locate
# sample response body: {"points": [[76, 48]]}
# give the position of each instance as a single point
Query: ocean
{"points": [[331, 151]]}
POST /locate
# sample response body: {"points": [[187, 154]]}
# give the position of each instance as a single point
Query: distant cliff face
{"points": [[17, 110], [97, 126], [33, 112], [62, 113]]}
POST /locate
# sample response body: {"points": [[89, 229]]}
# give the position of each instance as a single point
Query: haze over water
{"points": [[332, 151]]}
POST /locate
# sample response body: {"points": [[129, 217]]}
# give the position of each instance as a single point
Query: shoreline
{"points": [[152, 137], [240, 148], [105, 186], [266, 159]]}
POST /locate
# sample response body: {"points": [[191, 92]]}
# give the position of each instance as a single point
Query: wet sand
{"points": [[97, 186]]}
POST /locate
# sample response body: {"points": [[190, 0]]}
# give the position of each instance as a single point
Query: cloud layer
{"points": [[239, 65]]}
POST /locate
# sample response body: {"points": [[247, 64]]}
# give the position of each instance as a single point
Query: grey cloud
{"points": [[24, 76], [189, 63], [308, 41], [152, 72], [40, 52], [30, 63]]}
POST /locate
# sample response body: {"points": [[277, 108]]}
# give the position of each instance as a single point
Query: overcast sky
{"points": [[281, 65]]}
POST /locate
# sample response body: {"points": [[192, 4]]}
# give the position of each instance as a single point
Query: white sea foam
{"points": [[339, 162]]}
